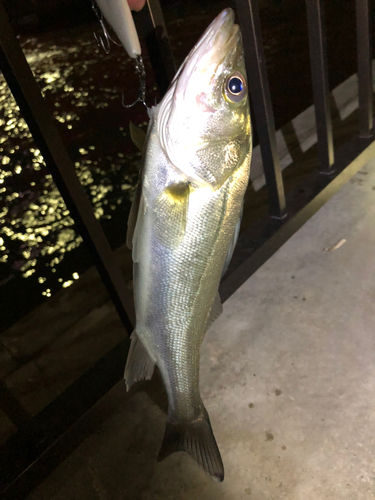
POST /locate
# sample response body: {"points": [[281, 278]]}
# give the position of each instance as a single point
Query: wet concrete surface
{"points": [[287, 375]]}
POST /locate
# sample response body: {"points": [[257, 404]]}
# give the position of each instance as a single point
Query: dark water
{"points": [[40, 249]]}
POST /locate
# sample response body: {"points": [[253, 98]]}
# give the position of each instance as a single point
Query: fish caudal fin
{"points": [[197, 439], [139, 365]]}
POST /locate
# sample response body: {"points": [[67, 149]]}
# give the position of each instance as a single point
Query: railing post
{"points": [[26, 92], [364, 69], [319, 73], [249, 22], [151, 27]]}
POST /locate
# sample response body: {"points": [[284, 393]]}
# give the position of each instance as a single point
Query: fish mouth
{"points": [[220, 37], [213, 46]]}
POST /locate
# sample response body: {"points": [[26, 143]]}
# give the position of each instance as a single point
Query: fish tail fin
{"points": [[197, 439], [139, 365]]}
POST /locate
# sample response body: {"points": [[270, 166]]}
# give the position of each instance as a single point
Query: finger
{"points": [[136, 4]]}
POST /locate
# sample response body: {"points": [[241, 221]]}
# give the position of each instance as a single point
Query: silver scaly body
{"points": [[187, 218]]}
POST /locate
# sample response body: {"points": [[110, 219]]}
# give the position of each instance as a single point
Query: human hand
{"points": [[136, 4]]}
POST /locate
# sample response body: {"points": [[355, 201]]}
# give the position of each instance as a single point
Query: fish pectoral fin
{"points": [[170, 213], [139, 365], [197, 439], [137, 135]]}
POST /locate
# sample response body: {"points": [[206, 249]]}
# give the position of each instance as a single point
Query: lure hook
{"points": [[141, 72], [104, 43], [104, 40]]}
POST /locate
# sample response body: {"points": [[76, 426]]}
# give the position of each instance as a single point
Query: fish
{"points": [[183, 226]]}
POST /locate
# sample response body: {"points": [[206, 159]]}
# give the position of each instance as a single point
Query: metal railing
{"points": [[41, 443]]}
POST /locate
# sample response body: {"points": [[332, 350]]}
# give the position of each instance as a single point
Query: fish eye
{"points": [[235, 87]]}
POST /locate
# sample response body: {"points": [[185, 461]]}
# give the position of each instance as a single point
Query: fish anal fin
{"points": [[197, 439], [139, 365]]}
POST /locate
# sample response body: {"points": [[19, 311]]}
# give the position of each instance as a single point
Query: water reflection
{"points": [[79, 84]]}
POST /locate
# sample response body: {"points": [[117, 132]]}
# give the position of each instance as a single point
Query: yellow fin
{"points": [[171, 209]]}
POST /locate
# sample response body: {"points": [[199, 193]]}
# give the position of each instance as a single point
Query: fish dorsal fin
{"points": [[137, 135], [216, 310], [232, 245], [139, 365]]}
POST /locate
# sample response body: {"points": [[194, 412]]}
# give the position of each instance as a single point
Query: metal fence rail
{"points": [[319, 73], [249, 22], [364, 69], [45, 440], [27, 94]]}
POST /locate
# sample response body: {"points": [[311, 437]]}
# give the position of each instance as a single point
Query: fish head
{"points": [[203, 122]]}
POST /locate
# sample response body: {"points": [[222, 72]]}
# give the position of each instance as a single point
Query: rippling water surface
{"points": [[80, 84]]}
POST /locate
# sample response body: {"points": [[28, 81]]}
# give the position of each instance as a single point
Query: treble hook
{"points": [[141, 72], [129, 39], [105, 43]]}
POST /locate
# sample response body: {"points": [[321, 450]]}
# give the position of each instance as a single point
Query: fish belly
{"points": [[178, 265]]}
